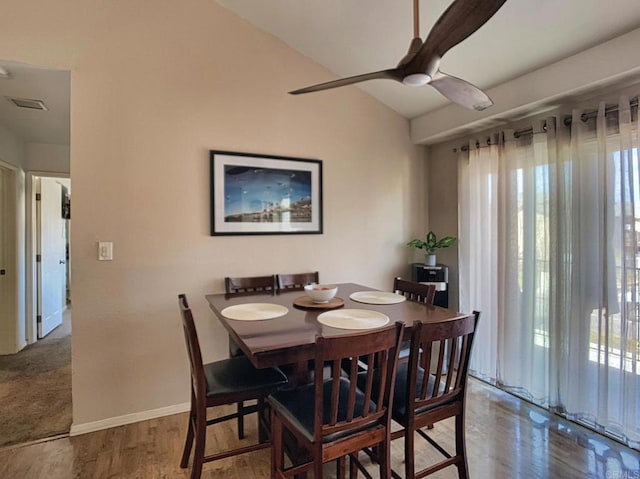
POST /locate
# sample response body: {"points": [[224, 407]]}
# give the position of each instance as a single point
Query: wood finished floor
{"points": [[506, 438]]}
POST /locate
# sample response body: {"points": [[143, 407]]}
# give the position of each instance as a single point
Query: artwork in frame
{"points": [[255, 194]]}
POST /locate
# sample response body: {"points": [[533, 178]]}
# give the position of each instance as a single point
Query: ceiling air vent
{"points": [[28, 103]]}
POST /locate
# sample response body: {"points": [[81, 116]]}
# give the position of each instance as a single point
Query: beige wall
{"points": [[12, 336], [442, 188], [154, 86]]}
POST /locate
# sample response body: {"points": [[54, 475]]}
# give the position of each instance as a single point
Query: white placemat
{"points": [[377, 297], [353, 319], [254, 311]]}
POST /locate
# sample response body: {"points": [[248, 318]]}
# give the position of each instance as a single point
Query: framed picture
{"points": [[253, 194]]}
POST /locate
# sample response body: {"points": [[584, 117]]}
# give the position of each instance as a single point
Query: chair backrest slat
{"points": [[351, 404], [249, 284], [335, 392], [453, 353], [368, 388], [381, 348], [427, 354], [439, 368], [465, 353], [383, 364]]}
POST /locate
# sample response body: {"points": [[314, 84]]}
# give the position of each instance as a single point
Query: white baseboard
{"points": [[84, 428]]}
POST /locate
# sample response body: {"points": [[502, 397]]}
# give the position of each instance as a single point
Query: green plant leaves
{"points": [[432, 244]]}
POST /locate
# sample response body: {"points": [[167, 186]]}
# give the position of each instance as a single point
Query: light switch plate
{"points": [[105, 251]]}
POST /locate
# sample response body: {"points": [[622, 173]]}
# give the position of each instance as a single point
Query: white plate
{"points": [[377, 297], [254, 311], [353, 319]]}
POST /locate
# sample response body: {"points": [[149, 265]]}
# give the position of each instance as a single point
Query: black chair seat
{"points": [[238, 375], [403, 354], [399, 409], [298, 406], [399, 405]]}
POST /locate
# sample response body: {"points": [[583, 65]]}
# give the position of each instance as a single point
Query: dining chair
{"points": [[331, 417], [413, 291], [218, 383], [297, 281], [249, 284], [431, 389], [245, 286]]}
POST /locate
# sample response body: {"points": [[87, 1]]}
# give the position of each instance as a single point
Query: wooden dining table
{"points": [[290, 339]]}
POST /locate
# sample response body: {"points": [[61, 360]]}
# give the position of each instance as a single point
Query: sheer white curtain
{"points": [[598, 325], [524, 265], [550, 253], [477, 253]]}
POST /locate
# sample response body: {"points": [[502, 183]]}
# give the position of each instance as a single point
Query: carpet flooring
{"points": [[35, 389]]}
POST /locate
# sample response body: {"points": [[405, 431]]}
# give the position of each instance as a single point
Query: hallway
{"points": [[35, 388]]}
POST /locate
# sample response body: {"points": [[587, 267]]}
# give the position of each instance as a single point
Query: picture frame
{"points": [[257, 194]]}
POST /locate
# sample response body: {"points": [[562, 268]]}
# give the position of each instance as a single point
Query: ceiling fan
{"points": [[420, 65]]}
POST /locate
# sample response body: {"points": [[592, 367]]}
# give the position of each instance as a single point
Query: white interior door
{"points": [[52, 251]]}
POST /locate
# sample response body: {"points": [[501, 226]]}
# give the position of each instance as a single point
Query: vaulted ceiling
{"points": [[351, 37]]}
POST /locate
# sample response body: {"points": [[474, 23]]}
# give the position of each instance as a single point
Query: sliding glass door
{"points": [[555, 214]]}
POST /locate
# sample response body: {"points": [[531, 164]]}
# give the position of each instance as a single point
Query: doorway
{"points": [[36, 382], [10, 338]]}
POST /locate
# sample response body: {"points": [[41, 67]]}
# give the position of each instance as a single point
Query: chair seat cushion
{"points": [[298, 405], [405, 351], [238, 375], [399, 411], [399, 406]]}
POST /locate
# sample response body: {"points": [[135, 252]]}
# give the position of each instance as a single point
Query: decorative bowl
{"points": [[321, 293]]}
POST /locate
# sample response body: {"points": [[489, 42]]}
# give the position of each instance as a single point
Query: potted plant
{"points": [[431, 245]]}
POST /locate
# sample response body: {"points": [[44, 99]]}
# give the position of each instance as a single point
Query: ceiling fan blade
{"points": [[414, 48], [461, 92], [460, 20], [391, 74]]}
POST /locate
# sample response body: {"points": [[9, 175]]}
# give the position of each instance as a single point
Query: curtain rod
{"points": [[566, 121]]}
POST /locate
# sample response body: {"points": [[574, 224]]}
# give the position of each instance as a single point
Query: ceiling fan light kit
{"points": [[416, 79], [420, 66]]}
